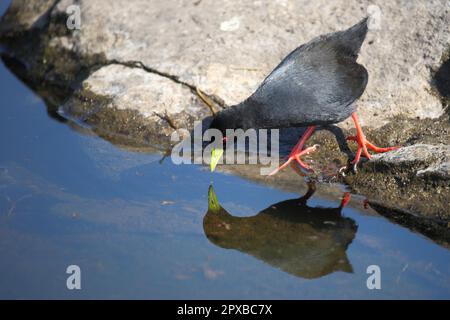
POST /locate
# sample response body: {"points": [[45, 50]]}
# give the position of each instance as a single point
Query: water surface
{"points": [[137, 227]]}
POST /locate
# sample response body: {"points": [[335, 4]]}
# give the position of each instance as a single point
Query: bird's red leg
{"points": [[298, 151], [363, 144], [345, 200]]}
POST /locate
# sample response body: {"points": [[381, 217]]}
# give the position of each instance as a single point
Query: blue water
{"points": [[135, 226]]}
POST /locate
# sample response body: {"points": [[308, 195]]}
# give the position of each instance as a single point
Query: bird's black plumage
{"points": [[315, 84], [308, 242]]}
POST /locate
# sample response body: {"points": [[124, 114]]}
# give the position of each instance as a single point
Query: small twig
{"points": [[167, 118], [206, 100], [245, 69]]}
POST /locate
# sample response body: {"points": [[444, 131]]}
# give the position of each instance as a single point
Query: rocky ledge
{"points": [[133, 71]]}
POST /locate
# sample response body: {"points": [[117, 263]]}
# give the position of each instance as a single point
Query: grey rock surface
{"points": [[24, 15], [128, 88], [226, 50], [413, 178], [427, 159]]}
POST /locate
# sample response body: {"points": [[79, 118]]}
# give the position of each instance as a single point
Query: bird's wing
{"points": [[316, 83]]}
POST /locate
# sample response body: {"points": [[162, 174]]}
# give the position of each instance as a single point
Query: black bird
{"points": [[304, 241], [316, 84]]}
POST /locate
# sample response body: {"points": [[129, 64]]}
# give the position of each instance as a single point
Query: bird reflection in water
{"points": [[308, 242]]}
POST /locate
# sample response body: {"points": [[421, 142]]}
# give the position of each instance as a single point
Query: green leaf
{"points": [[216, 154], [213, 203]]}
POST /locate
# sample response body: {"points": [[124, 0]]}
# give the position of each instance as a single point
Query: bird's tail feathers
{"points": [[352, 39]]}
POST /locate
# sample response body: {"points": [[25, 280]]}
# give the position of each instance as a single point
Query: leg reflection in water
{"points": [[308, 242]]}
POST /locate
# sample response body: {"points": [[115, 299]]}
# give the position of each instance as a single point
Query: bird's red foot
{"points": [[297, 152], [295, 155], [363, 144]]}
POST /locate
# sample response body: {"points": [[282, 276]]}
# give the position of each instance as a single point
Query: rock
{"points": [[24, 15], [432, 160], [132, 91], [227, 50], [413, 178]]}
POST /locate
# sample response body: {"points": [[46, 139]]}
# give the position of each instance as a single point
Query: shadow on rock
{"points": [[442, 79], [303, 241]]}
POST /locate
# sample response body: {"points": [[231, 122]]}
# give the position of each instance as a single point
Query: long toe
{"points": [[376, 149], [295, 155], [362, 149], [306, 151], [284, 165]]}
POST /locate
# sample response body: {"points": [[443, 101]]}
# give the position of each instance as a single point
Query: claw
{"points": [[284, 165], [342, 171]]}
